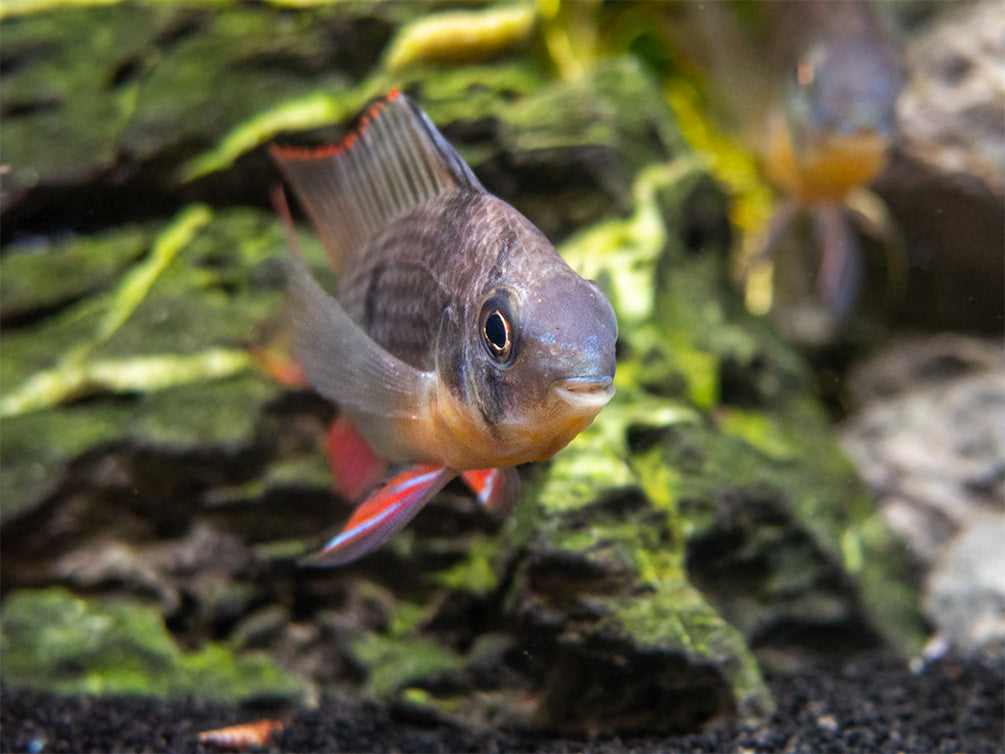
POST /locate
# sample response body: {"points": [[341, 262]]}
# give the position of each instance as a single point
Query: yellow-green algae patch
{"points": [[153, 357], [56, 641], [480, 570], [463, 36], [394, 662]]}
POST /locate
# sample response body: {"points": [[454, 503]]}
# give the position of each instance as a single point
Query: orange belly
{"points": [[827, 167]]}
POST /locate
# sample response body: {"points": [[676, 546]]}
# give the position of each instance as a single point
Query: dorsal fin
{"points": [[393, 161]]}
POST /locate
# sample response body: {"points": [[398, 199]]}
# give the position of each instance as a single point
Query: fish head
{"points": [[540, 359], [846, 74]]}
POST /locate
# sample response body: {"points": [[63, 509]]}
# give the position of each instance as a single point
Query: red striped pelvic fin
{"points": [[497, 489], [356, 469], [385, 512]]}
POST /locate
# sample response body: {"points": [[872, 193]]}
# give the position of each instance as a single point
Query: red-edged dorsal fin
{"points": [[392, 162]]}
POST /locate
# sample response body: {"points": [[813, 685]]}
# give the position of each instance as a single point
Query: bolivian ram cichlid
{"points": [[829, 134], [458, 342]]}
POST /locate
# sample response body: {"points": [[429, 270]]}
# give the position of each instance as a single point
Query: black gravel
{"points": [[875, 704]]}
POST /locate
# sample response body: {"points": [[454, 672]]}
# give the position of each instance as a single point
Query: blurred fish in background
{"points": [[827, 136], [796, 98]]}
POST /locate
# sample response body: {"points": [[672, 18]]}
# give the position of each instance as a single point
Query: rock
{"points": [[58, 642], [929, 439], [929, 435], [946, 182], [951, 114], [965, 593], [142, 88]]}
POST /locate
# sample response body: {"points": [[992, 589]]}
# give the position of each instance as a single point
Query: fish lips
{"points": [[587, 393]]}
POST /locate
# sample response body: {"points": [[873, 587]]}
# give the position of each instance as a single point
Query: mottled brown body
{"points": [[409, 276]]}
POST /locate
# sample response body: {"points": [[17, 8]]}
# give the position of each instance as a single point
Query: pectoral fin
{"points": [[345, 364], [497, 489], [385, 512]]}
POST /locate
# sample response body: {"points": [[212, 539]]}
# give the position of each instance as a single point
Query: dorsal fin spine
{"points": [[413, 171], [385, 184], [393, 160], [362, 185]]}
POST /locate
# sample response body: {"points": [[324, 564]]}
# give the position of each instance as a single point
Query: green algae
{"points": [[674, 617], [622, 254], [135, 375], [395, 662], [48, 275], [68, 85], [150, 79], [306, 112], [153, 357], [464, 36], [471, 93], [133, 287], [56, 641], [478, 573]]}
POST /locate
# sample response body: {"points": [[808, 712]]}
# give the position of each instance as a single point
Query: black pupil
{"points": [[496, 331]]}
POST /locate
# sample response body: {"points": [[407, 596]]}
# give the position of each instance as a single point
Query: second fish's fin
{"points": [[345, 364], [497, 489], [383, 514], [840, 272]]}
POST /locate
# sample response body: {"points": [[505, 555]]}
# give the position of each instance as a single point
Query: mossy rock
{"points": [[55, 641]]}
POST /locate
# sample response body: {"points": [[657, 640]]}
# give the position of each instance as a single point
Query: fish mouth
{"points": [[586, 392]]}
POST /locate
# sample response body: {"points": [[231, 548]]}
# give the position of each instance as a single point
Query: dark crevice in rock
{"points": [[752, 544], [121, 492], [126, 72], [657, 691], [706, 227], [184, 26], [24, 54], [14, 320], [144, 191], [30, 107]]}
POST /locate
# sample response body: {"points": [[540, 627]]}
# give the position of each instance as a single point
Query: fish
{"points": [[810, 89], [831, 126], [829, 132], [457, 341], [244, 736]]}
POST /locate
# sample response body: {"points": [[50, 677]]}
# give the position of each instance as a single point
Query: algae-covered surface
{"points": [[158, 485], [67, 644]]}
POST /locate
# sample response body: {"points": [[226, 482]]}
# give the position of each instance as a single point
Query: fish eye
{"points": [[497, 327], [497, 335]]}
